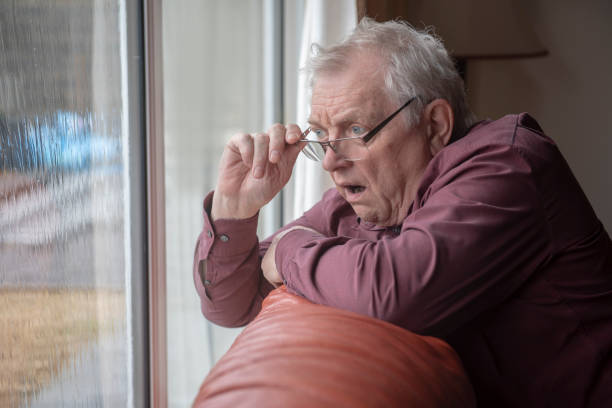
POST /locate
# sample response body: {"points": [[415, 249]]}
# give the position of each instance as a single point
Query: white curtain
{"points": [[325, 22]]}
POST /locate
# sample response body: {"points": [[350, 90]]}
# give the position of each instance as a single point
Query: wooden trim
{"points": [[361, 9]]}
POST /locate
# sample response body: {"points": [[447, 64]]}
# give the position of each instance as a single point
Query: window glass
{"points": [[65, 241]]}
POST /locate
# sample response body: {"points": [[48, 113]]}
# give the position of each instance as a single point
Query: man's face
{"points": [[381, 186]]}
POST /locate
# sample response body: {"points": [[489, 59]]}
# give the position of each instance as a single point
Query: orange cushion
{"points": [[298, 354]]}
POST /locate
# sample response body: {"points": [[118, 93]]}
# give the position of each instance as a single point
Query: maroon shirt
{"points": [[500, 254]]}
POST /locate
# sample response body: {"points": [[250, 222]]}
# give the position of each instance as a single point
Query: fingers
{"points": [[244, 143], [277, 142], [293, 133], [260, 154], [281, 137], [259, 150], [253, 150], [292, 136]]}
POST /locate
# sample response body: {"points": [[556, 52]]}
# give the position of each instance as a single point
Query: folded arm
{"points": [[470, 243]]}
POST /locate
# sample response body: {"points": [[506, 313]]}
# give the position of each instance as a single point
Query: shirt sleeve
{"points": [[475, 236], [227, 268]]}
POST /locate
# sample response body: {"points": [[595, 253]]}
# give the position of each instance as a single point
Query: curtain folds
{"points": [[325, 23]]}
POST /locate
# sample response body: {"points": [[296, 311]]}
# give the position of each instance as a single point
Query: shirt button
{"points": [[207, 282], [209, 234], [224, 238]]}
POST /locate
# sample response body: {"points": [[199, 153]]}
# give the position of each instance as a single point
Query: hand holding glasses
{"points": [[255, 167], [352, 148]]}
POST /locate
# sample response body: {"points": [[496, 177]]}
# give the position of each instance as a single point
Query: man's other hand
{"points": [[253, 169], [268, 263]]}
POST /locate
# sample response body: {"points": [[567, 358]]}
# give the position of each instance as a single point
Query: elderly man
{"points": [[477, 233]]}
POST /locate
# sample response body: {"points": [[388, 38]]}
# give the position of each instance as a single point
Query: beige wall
{"points": [[569, 92]]}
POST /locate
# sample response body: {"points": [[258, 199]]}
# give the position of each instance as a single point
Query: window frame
{"points": [[156, 394]]}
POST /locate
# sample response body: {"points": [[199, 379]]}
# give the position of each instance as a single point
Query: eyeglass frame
{"points": [[366, 138]]}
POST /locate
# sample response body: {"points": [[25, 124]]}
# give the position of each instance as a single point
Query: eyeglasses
{"points": [[351, 148]]}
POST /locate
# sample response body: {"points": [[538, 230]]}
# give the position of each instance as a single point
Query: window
{"points": [[73, 233], [72, 327]]}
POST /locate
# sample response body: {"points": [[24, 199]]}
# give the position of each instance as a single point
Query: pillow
{"points": [[299, 354]]}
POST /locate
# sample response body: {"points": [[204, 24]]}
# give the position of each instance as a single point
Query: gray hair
{"points": [[417, 64]]}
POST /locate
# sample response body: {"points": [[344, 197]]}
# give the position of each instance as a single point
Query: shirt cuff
{"points": [[226, 237]]}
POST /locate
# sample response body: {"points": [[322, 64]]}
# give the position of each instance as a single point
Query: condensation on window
{"points": [[63, 335]]}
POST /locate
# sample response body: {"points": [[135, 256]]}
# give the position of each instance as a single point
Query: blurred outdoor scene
{"points": [[63, 336]]}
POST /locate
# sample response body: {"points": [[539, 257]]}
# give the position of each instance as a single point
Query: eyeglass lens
{"points": [[348, 149]]}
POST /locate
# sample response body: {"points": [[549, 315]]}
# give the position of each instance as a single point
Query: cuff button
{"points": [[224, 238], [209, 233]]}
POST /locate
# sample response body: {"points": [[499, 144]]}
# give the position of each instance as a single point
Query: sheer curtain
{"points": [[212, 85], [215, 84], [325, 23]]}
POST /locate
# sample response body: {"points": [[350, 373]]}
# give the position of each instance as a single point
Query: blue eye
{"points": [[357, 131], [319, 134]]}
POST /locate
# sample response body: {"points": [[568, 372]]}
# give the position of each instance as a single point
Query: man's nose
{"points": [[333, 161]]}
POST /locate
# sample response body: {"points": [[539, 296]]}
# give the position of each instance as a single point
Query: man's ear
{"points": [[440, 120]]}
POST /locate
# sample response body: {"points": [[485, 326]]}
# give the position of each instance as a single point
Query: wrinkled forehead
{"points": [[349, 94]]}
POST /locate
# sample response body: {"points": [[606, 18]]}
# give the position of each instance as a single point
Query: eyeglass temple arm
{"points": [[382, 124]]}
